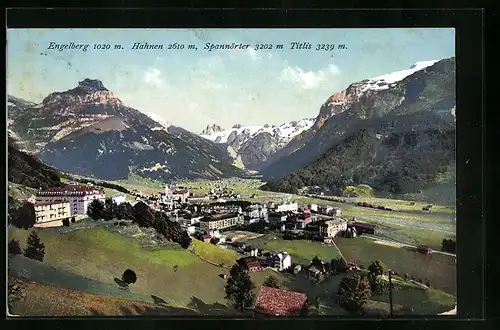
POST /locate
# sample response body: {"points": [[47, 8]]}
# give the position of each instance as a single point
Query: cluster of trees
{"points": [[403, 168], [35, 249], [20, 215], [355, 290], [289, 235], [141, 214], [379, 207], [448, 245]]}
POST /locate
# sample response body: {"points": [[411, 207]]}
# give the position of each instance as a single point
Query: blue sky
{"points": [[193, 89]]}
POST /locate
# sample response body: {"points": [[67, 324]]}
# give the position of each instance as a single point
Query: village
{"points": [[222, 218]]}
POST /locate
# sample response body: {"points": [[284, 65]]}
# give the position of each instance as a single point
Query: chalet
{"points": [[362, 228], [251, 264], [424, 249], [277, 302]]}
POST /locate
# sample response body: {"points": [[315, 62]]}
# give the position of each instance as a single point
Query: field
{"points": [[439, 269], [213, 253], [302, 251], [89, 260]]}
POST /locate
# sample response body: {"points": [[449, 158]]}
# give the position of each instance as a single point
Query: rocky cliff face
{"points": [[89, 131], [426, 89]]}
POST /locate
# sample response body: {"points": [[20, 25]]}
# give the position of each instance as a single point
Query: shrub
{"points": [[353, 292], [377, 268], [14, 247], [129, 277]]}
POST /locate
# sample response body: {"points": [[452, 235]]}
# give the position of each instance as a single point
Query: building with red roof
{"points": [[251, 264], [277, 302]]}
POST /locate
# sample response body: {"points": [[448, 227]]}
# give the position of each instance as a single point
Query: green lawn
{"points": [[439, 269], [213, 253], [302, 251]]}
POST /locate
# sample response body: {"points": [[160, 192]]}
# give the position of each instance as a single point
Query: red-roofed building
{"points": [[78, 196], [207, 238], [277, 302], [250, 263]]}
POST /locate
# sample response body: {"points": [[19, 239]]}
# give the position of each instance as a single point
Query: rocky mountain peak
{"points": [[211, 129], [92, 85]]}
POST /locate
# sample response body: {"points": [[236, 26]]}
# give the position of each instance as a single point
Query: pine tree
{"points": [[185, 240], [35, 249], [239, 288], [272, 282]]}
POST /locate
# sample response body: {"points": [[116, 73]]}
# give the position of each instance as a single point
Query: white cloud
{"points": [[153, 77], [253, 54], [307, 79]]}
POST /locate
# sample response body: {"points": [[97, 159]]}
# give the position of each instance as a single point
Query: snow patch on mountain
{"points": [[159, 120], [385, 81]]}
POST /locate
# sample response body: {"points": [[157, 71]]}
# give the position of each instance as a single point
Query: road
{"points": [[390, 242]]}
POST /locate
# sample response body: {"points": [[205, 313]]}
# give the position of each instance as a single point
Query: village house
{"points": [[277, 302], [313, 207], [119, 198], [314, 272], [284, 207], [220, 221], [281, 260], [255, 212], [51, 214], [332, 227], [250, 264], [197, 199], [424, 249], [78, 196]]}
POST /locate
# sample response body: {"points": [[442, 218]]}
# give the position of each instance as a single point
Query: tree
{"points": [[129, 277], [353, 292], [110, 209], [14, 247], [73, 219], [272, 282], [35, 249], [125, 211], [317, 263], [24, 217], [214, 240], [448, 245], [65, 222], [95, 210], [376, 268], [239, 288], [185, 240], [377, 284]]}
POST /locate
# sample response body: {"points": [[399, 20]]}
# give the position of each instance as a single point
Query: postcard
{"points": [[238, 172]]}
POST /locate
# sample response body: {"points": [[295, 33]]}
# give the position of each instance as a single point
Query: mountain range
{"points": [[394, 132], [89, 131], [254, 144]]}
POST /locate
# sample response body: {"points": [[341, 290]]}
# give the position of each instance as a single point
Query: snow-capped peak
{"points": [[286, 131], [383, 82], [158, 119]]}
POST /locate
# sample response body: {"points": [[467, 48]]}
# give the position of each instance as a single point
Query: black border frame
{"points": [[468, 24]]}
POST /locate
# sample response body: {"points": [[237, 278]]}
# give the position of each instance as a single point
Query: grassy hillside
{"points": [[48, 300], [90, 259]]}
